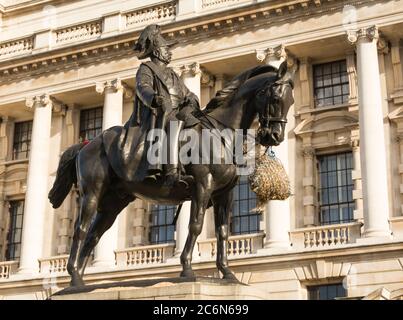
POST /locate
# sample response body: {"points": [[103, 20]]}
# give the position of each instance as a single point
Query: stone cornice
{"points": [[196, 29]]}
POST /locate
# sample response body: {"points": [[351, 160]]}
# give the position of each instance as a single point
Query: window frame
{"points": [[11, 229], [338, 285], [251, 200], [341, 74], [16, 141], [167, 225], [349, 186], [84, 127]]}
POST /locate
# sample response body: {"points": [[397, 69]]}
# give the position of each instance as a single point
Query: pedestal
{"points": [[199, 288]]}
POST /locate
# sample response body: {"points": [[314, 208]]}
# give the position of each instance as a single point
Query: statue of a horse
{"points": [[264, 93]]}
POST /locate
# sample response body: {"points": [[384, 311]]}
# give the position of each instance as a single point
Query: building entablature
{"points": [[47, 45]]}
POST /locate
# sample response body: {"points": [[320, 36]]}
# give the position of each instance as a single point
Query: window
{"points": [[326, 292], [336, 188], [22, 140], [13, 247], [90, 123], [162, 230], [331, 83], [243, 220]]}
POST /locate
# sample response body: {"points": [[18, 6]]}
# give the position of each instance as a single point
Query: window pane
{"points": [[331, 87], [90, 123], [336, 188], [22, 140], [244, 202], [162, 230], [14, 233], [326, 292]]}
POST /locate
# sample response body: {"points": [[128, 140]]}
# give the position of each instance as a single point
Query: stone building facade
{"points": [[67, 71]]}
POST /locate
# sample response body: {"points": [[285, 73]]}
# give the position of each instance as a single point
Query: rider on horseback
{"points": [[163, 92]]}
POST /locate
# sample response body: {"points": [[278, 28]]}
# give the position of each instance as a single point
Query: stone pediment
{"points": [[329, 121]]}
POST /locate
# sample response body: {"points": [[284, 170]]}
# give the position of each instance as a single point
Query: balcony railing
{"points": [[238, 246], [53, 264], [7, 268], [81, 32], [326, 236], [210, 4], [17, 47], [159, 13], [144, 255]]}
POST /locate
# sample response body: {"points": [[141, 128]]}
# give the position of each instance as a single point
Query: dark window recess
{"points": [[336, 204], [14, 235], [243, 220], [22, 140], [331, 84], [90, 123], [162, 230], [326, 292]]}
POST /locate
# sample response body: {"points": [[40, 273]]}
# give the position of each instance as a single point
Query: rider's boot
{"points": [[173, 173]]}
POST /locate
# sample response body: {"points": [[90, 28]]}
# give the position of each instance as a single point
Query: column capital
{"points": [[115, 85], [207, 79], [355, 144], [190, 69], [371, 33], [308, 152], [45, 100], [275, 55]]}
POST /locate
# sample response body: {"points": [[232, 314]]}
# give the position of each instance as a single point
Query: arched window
{"points": [[162, 230], [243, 219]]}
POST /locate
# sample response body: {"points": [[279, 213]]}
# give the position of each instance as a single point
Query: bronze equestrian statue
{"points": [[113, 169]]}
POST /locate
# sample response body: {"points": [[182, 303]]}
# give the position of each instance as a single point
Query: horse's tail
{"points": [[66, 176]]}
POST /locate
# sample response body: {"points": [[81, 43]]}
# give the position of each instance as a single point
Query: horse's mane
{"points": [[224, 96]]}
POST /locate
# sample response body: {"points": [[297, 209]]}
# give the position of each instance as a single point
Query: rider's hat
{"points": [[150, 39]]}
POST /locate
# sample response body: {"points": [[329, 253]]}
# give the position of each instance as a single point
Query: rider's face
{"points": [[165, 54]]}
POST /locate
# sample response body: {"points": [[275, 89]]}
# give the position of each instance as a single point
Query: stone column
{"points": [[397, 71], [112, 116], [352, 76], [278, 213], [356, 176], [191, 75], [310, 218], [37, 185], [372, 136]]}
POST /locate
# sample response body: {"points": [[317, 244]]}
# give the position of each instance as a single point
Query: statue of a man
{"points": [[163, 92]]}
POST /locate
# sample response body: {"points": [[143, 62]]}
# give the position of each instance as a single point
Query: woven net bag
{"points": [[269, 180]]}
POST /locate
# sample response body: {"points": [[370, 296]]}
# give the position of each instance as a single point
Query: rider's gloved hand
{"points": [[161, 102]]}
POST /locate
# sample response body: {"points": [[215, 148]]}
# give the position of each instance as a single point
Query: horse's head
{"points": [[273, 102]]}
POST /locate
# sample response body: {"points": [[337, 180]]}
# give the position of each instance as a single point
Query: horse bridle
{"points": [[266, 119]]}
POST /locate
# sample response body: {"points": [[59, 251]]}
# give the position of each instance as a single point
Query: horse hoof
{"points": [[187, 273], [230, 277], [77, 282]]}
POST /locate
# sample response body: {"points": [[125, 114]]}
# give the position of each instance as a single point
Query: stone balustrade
{"points": [[328, 236], [160, 13], [8, 268], [144, 255], [238, 246], [81, 32], [17, 47], [54, 264], [210, 4]]}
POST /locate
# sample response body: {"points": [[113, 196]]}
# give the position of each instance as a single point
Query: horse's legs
{"points": [[92, 174], [88, 207], [222, 213], [199, 204], [110, 206]]}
